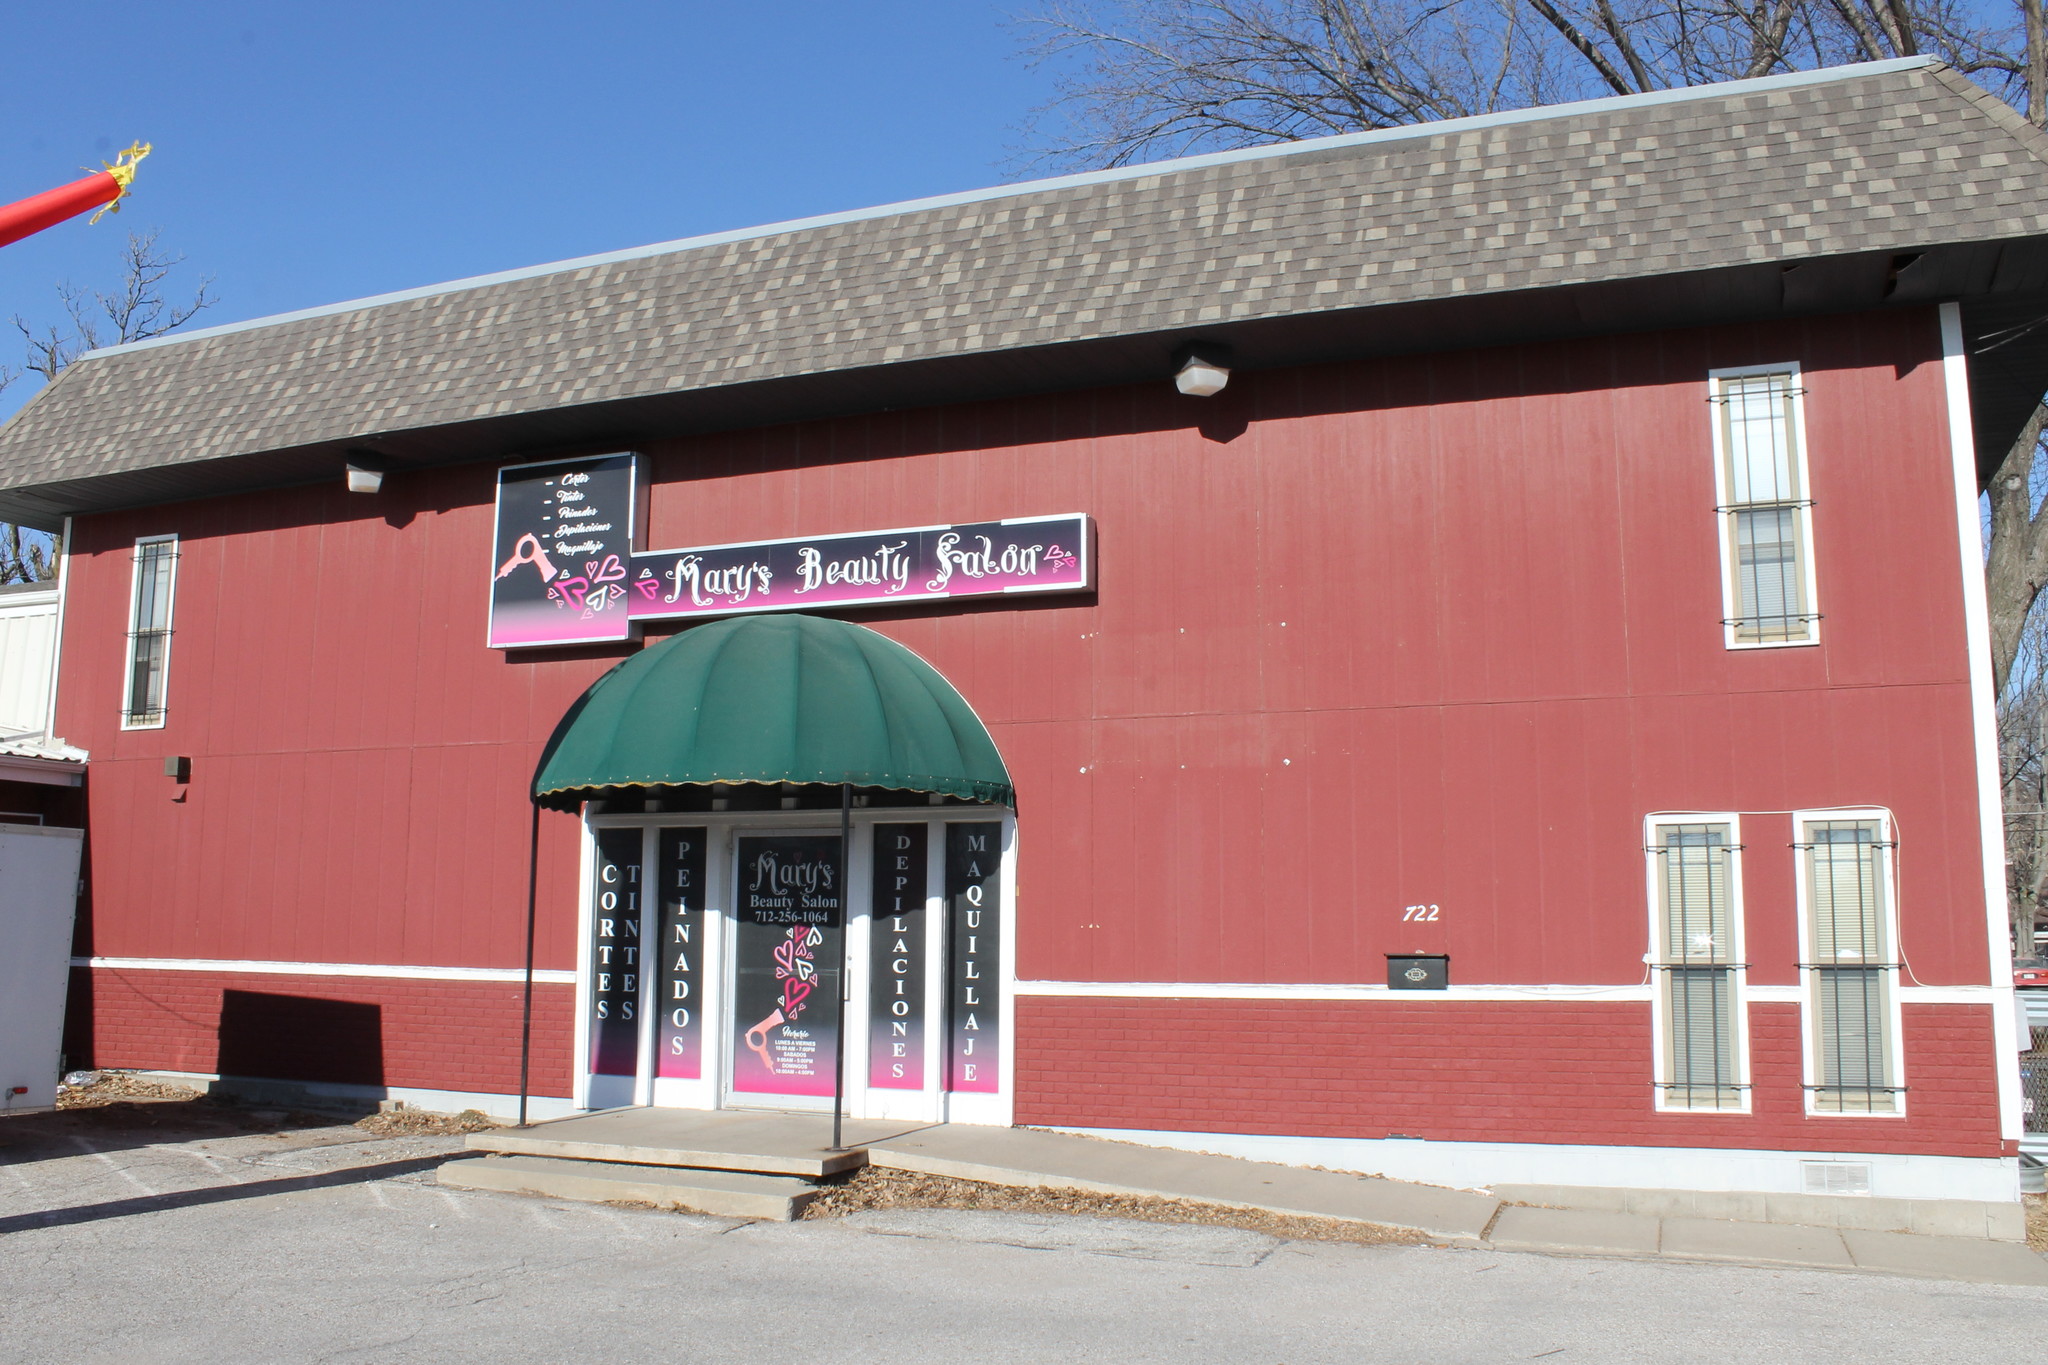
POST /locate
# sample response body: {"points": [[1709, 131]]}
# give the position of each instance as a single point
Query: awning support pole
{"points": [[526, 1009], [845, 902]]}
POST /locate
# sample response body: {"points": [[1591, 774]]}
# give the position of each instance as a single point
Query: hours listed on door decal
{"points": [[565, 537], [974, 956], [679, 990], [615, 954], [896, 937], [788, 937]]}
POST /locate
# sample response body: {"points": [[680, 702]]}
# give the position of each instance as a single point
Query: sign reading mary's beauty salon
{"points": [[564, 571]]}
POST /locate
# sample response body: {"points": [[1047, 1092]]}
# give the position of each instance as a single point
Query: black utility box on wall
{"points": [[1418, 971]]}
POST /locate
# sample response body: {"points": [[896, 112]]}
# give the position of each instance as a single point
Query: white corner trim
{"points": [[392, 973], [1984, 725], [1783, 81]]}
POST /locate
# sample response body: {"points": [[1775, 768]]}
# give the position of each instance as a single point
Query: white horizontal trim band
{"points": [[205, 964], [1203, 990]]}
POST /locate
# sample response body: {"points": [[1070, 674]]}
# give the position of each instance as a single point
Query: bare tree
{"points": [[1148, 78], [1141, 79], [135, 310]]}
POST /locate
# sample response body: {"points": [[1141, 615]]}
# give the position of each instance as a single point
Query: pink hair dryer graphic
{"points": [[527, 550], [757, 1039]]}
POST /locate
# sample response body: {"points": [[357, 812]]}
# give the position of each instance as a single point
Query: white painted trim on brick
{"points": [[1308, 146], [1557, 994], [1962, 442], [1203, 990], [396, 973], [1480, 1165]]}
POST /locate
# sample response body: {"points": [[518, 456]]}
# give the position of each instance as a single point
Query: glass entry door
{"points": [[727, 960], [788, 964]]}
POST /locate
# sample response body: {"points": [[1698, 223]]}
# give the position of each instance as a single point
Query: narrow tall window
{"points": [[1766, 512], [1852, 1062], [149, 632], [1694, 905]]}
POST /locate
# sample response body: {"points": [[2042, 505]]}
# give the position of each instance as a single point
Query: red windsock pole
{"points": [[102, 190]]}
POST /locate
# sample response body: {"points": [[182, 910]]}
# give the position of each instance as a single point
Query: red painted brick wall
{"points": [[437, 1035], [1466, 1072]]}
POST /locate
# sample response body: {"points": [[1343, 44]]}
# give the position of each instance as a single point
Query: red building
{"points": [[1532, 723]]}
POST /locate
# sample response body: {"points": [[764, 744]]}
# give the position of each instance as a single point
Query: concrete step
{"points": [[768, 1144], [729, 1194]]}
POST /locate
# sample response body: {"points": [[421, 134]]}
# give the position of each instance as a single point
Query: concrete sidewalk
{"points": [[1044, 1160]]}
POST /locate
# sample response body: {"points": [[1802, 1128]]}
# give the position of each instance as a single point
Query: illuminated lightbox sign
{"points": [[566, 570]]}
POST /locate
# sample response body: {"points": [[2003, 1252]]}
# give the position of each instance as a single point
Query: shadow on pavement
{"points": [[217, 1194], [127, 1124]]}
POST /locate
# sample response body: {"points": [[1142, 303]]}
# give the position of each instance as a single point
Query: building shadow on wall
{"points": [[300, 1038]]}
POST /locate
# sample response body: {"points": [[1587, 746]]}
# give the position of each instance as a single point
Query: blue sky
{"points": [[309, 154]]}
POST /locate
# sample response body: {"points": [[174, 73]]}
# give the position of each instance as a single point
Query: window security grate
{"points": [[149, 638], [1766, 509], [1694, 961], [1849, 967]]}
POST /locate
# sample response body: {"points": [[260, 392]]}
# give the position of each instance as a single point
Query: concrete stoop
{"points": [[727, 1194]]}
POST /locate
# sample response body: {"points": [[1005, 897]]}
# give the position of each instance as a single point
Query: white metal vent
{"points": [[1836, 1177]]}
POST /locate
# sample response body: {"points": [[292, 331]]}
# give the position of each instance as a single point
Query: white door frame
{"points": [[722, 831]]}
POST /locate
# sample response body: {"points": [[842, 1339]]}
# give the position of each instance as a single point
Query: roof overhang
{"points": [[2002, 286]]}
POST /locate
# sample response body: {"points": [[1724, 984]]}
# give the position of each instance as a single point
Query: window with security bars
{"points": [[1693, 879], [149, 632], [1767, 524], [1851, 966]]}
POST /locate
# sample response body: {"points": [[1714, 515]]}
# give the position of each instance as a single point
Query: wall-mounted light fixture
{"points": [[1201, 369], [366, 471]]}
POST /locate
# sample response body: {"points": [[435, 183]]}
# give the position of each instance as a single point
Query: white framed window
{"points": [[149, 633], [1765, 506], [1848, 929], [1700, 1027]]}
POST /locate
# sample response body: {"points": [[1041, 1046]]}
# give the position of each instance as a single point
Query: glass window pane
{"points": [[1769, 585], [1854, 1070], [1757, 429], [1845, 894], [1701, 1029], [149, 637], [1695, 890]]}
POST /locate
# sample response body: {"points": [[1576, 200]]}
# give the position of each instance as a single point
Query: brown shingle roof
{"points": [[1896, 156]]}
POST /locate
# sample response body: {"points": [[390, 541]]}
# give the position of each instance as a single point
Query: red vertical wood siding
{"points": [[1430, 629]]}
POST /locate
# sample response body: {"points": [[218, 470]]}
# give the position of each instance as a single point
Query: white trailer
{"points": [[38, 900]]}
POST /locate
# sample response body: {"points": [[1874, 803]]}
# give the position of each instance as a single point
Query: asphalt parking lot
{"points": [[225, 1238]]}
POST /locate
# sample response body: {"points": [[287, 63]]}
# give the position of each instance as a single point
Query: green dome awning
{"points": [[772, 699]]}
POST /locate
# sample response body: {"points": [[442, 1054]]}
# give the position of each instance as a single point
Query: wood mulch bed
{"points": [[876, 1187]]}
